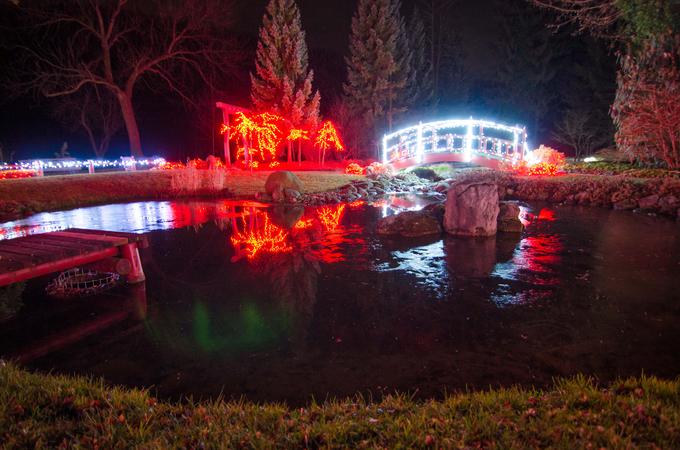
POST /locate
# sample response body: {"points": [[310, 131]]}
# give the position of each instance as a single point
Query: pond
{"points": [[286, 304]]}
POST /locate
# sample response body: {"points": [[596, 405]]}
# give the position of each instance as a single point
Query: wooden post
{"points": [[227, 152], [131, 253]]}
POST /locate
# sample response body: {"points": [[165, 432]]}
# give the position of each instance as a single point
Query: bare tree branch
{"points": [[63, 47]]}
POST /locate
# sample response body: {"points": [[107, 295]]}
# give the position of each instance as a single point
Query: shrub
{"points": [[647, 105], [548, 155], [377, 168], [354, 169]]}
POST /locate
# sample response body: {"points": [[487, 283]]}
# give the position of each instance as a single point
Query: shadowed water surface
{"points": [[288, 303]]}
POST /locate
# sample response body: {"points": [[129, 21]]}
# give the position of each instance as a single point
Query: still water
{"points": [[288, 304]]}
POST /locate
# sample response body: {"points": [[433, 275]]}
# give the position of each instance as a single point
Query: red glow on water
{"points": [[539, 254], [304, 224], [259, 235], [357, 204], [330, 216], [546, 214]]}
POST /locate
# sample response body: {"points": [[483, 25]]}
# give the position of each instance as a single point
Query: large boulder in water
{"points": [[472, 209], [409, 224], [508, 218], [279, 181]]}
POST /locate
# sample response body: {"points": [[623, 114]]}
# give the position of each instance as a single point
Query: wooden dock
{"points": [[41, 254]]}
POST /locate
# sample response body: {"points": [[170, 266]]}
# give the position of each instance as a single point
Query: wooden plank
{"points": [[76, 242], [56, 250], [23, 250], [7, 265], [25, 261], [132, 237], [56, 243], [113, 240], [58, 265]]}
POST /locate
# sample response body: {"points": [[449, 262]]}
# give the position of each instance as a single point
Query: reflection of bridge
{"points": [[465, 140]]}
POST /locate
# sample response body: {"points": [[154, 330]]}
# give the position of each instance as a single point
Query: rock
{"points": [[442, 186], [262, 197], [426, 174], [291, 195], [625, 205], [278, 181], [286, 216], [436, 210], [508, 218], [409, 224], [668, 203], [648, 202], [472, 209]]}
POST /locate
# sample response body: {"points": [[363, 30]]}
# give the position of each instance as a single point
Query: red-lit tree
{"points": [[282, 82], [261, 133], [326, 138], [298, 135]]}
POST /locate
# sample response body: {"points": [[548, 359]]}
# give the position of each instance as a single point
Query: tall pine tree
{"points": [[282, 82], [420, 83], [379, 62]]}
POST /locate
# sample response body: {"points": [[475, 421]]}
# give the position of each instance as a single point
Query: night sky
{"points": [[169, 130]]}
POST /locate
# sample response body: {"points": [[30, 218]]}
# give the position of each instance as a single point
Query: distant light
{"points": [[591, 159]]}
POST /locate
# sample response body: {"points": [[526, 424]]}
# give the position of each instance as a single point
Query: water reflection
{"points": [[285, 302]]}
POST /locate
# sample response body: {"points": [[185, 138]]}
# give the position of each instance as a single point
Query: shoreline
{"points": [[24, 197]]}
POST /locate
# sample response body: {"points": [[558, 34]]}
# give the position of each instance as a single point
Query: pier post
{"points": [[131, 253]]}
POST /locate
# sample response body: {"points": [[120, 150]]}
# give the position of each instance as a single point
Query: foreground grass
{"points": [[49, 411], [21, 197]]}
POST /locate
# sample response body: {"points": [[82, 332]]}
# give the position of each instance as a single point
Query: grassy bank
{"points": [[22, 197], [49, 411]]}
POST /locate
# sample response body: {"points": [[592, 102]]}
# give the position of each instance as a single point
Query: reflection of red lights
{"points": [[303, 224], [546, 214], [260, 235], [539, 254], [357, 204], [330, 216]]}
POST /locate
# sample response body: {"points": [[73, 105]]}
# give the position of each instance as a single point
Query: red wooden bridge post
{"points": [[131, 253]]}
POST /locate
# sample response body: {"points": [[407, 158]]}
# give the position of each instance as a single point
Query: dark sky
{"points": [[27, 128], [327, 23]]}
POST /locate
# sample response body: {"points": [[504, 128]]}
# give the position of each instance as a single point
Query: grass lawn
{"points": [[21, 197], [48, 411]]}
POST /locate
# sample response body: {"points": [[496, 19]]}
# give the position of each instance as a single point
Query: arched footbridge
{"points": [[479, 142]]}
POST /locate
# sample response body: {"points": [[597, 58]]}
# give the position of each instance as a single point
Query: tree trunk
{"points": [[290, 151], [130, 124]]}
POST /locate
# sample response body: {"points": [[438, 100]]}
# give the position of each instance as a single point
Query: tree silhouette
{"points": [[61, 47]]}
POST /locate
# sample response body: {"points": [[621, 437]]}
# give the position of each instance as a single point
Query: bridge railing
{"points": [[467, 137]]}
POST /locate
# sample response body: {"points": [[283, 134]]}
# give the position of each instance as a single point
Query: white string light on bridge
{"points": [[408, 145]]}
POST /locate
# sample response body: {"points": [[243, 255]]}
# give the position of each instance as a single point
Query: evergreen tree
{"points": [[379, 62], [282, 82], [442, 49], [528, 75], [420, 77]]}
